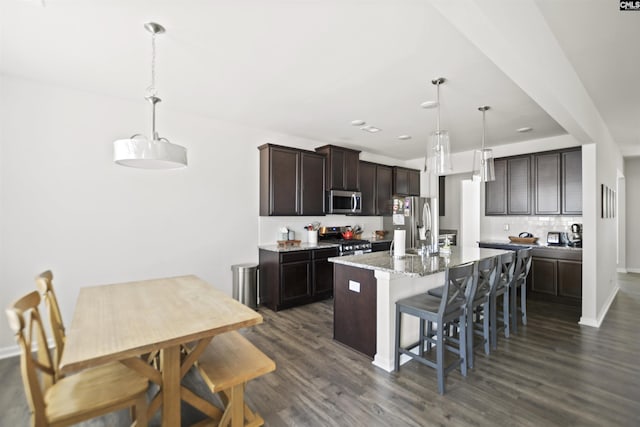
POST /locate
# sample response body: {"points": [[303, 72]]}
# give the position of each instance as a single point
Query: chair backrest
{"points": [[458, 281], [506, 270], [523, 264], [44, 282], [37, 374], [486, 281]]}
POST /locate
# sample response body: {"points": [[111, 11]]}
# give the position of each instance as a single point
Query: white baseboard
{"points": [[595, 323], [633, 270], [622, 270], [14, 350], [8, 352]]}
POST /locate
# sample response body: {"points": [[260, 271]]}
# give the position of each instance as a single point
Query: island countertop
{"points": [[416, 265]]}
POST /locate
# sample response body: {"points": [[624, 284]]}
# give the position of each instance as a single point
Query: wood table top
{"points": [[115, 322]]}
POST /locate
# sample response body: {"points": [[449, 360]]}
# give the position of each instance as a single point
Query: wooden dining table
{"points": [[121, 322]]}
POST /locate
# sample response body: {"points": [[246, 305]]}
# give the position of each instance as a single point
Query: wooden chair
{"points": [[66, 401], [227, 364], [44, 283], [452, 307], [506, 270], [523, 265]]}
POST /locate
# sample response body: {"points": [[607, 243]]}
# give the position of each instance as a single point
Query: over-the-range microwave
{"points": [[344, 202]]}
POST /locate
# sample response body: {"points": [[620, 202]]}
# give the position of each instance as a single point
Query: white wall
{"points": [[65, 206], [632, 181]]}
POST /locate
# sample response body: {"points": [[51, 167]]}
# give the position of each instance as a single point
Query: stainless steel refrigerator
{"points": [[415, 215]]}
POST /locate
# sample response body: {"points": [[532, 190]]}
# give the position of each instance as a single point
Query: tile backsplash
{"points": [[493, 227]]}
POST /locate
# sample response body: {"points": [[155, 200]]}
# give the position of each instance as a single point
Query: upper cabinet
{"points": [[406, 182], [376, 185], [572, 182], [547, 183], [342, 167], [291, 181]]}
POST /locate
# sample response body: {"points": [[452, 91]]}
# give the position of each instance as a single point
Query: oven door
{"points": [[344, 202]]}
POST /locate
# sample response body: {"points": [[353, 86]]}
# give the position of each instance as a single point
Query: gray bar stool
{"points": [[523, 265], [506, 271]]}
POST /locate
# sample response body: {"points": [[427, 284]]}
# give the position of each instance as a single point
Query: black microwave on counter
{"points": [[344, 202]]}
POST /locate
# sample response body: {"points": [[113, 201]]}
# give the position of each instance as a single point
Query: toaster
{"points": [[557, 238]]}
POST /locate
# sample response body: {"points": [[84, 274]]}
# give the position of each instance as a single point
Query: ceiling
{"points": [[309, 67]]}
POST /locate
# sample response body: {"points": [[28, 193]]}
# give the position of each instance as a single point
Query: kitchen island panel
{"points": [[354, 314]]}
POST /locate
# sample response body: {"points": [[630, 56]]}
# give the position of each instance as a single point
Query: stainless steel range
{"points": [[346, 246]]}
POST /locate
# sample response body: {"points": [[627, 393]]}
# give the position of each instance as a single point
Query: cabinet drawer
{"points": [[324, 253], [295, 256]]}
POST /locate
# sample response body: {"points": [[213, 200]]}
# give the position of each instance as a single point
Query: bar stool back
{"points": [[523, 265], [506, 271], [478, 312]]}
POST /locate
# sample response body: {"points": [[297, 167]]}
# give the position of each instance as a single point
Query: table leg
{"points": [[170, 367]]}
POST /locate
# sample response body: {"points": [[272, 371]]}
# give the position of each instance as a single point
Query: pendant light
{"points": [[438, 158], [483, 168], [157, 152]]}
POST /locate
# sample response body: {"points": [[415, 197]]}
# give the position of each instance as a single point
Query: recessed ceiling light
{"points": [[358, 122], [404, 137], [371, 129], [525, 129], [429, 104]]}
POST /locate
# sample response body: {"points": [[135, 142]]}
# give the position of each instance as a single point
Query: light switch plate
{"points": [[354, 286]]}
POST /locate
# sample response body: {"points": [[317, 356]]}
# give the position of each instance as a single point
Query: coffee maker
{"points": [[575, 238]]}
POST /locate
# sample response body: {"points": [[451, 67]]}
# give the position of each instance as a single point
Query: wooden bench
{"points": [[227, 364]]}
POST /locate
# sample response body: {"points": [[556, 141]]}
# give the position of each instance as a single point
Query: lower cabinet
{"points": [[558, 278], [289, 279]]}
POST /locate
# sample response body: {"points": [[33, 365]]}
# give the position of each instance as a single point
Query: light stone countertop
{"points": [[304, 246], [416, 265]]}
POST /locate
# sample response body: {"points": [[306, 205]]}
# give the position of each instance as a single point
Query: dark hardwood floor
{"points": [[554, 373]]}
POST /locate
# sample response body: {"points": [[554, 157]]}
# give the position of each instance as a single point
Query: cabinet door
{"points": [[351, 170], [283, 181], [336, 173], [323, 273], [400, 181], [384, 190], [570, 278], [546, 191], [368, 187], [496, 191], [312, 193], [295, 282], [544, 272], [414, 182], [572, 182], [518, 185]]}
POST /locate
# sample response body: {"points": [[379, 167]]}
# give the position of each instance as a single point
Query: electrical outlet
{"points": [[506, 227], [354, 286]]}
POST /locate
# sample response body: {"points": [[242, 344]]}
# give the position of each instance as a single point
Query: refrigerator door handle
{"points": [[426, 216]]}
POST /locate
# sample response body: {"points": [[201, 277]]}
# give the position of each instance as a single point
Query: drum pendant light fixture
{"points": [[483, 167], [157, 152], [438, 159]]}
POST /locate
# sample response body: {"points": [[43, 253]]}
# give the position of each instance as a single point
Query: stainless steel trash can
{"points": [[245, 284]]}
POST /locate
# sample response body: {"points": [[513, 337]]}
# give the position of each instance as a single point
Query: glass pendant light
{"points": [[483, 168], [438, 159], [157, 152]]}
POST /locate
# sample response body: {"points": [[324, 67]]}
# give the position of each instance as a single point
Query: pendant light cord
{"points": [[151, 90], [483, 128]]}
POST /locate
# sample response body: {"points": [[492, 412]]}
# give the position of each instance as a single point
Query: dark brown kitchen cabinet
{"points": [[342, 167], [519, 185], [384, 190], [289, 279], [496, 191], [572, 182], [376, 188], [406, 182], [368, 187], [546, 178], [556, 274], [546, 183], [544, 272], [291, 181]]}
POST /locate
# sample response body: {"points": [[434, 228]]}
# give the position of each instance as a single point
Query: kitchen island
{"points": [[366, 288]]}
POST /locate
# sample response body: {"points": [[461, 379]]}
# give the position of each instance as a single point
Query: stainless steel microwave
{"points": [[344, 202]]}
